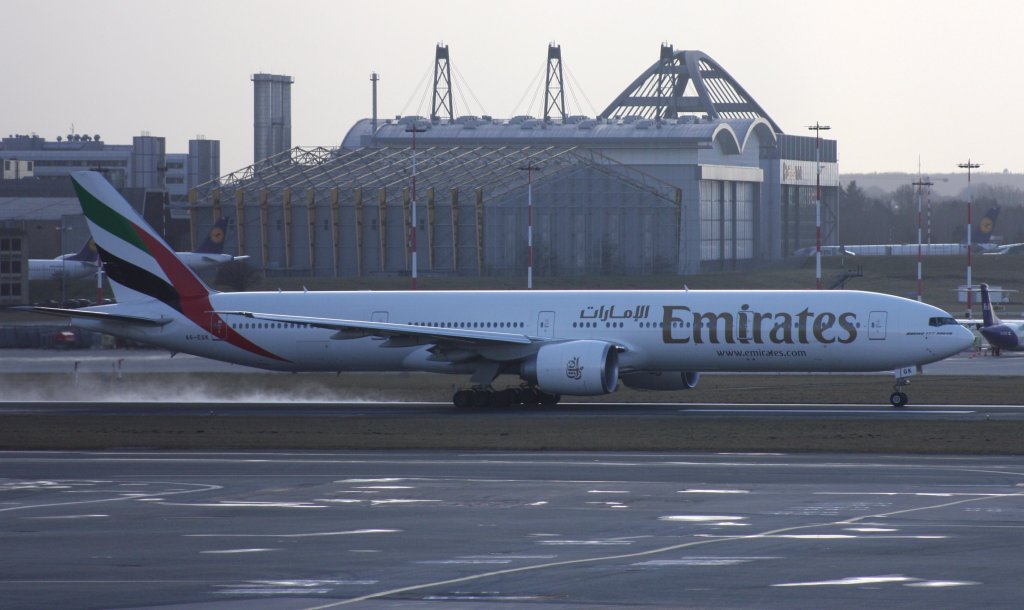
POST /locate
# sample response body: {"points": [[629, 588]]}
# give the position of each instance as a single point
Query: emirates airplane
{"points": [[578, 343]]}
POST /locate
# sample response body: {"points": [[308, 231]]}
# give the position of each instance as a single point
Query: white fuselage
{"points": [[54, 268], [654, 330]]}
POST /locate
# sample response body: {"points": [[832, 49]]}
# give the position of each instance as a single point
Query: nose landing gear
{"points": [[898, 398]]}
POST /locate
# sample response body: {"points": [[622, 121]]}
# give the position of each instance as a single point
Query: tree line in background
{"points": [[892, 217]]}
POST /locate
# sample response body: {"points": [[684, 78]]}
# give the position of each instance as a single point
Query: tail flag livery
{"points": [[138, 262], [983, 232], [87, 254], [214, 242], [141, 266]]}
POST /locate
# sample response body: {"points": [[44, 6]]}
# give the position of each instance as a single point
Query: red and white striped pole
{"points": [[412, 232], [920, 183], [969, 166], [818, 128], [529, 223]]}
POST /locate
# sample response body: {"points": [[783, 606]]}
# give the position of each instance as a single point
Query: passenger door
{"points": [[546, 324], [876, 325]]}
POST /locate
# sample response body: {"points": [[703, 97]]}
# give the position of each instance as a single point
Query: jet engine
{"points": [[661, 380], [576, 368]]}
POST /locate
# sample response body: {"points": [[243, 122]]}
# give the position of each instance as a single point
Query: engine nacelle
{"points": [[576, 368], [661, 380]]}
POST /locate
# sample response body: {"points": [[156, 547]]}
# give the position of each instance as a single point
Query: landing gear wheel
{"points": [[502, 399], [898, 399], [463, 399], [481, 398]]}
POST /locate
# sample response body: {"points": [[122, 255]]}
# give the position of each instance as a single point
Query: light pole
{"points": [[817, 128], [969, 166], [413, 129], [920, 183], [529, 222]]}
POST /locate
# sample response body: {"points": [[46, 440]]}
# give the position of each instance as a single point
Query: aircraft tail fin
{"points": [[988, 316], [87, 253], [982, 233], [214, 242], [138, 262]]}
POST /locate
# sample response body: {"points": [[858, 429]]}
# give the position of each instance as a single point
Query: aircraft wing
{"points": [[95, 315], [1002, 249], [355, 329]]}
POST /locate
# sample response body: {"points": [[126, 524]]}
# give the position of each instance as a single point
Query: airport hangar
{"points": [[682, 173]]}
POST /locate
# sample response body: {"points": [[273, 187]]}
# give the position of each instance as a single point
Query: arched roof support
{"points": [[686, 83]]}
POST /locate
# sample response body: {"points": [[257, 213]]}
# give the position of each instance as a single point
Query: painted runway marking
{"points": [[308, 535], [628, 556], [699, 518], [234, 551], [811, 411]]}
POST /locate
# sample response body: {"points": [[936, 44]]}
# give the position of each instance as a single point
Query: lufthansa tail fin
{"points": [[982, 233], [87, 253], [988, 316], [138, 262], [214, 242]]}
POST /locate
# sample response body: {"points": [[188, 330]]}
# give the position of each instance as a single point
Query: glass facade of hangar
{"points": [[727, 220]]}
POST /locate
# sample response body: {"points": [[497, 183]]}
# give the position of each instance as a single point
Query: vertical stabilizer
{"points": [[87, 254], [983, 232], [138, 262], [988, 317], [214, 242]]}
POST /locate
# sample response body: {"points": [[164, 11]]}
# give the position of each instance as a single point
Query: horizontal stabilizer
{"points": [[95, 315]]}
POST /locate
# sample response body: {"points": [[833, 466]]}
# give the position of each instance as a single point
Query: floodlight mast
{"points": [[817, 128], [529, 222], [414, 129], [969, 166], [919, 184]]}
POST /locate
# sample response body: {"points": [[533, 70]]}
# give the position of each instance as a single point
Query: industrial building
{"points": [[683, 172], [36, 196]]}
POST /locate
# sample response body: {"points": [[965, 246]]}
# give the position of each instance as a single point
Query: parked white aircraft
{"points": [[210, 253], [83, 263], [559, 342], [981, 241]]}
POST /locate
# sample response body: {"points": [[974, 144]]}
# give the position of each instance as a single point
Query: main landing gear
{"points": [[898, 398], [488, 397]]}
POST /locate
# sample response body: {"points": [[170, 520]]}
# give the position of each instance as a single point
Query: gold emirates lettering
{"points": [[682, 325]]}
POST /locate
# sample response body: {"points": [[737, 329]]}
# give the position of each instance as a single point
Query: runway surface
{"points": [[570, 409], [479, 531], [149, 360]]}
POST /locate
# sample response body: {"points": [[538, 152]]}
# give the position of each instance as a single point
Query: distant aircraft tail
{"points": [[87, 253], [138, 262], [214, 242], [988, 317], [982, 233]]}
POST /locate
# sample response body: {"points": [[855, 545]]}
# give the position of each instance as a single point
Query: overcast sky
{"points": [[934, 79]]}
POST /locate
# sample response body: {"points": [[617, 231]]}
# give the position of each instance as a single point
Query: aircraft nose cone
{"points": [[964, 339]]}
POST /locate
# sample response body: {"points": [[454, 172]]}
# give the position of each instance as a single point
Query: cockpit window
{"points": [[941, 321]]}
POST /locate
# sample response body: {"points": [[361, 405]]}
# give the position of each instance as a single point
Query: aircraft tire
{"points": [[463, 399], [502, 399], [898, 399]]}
